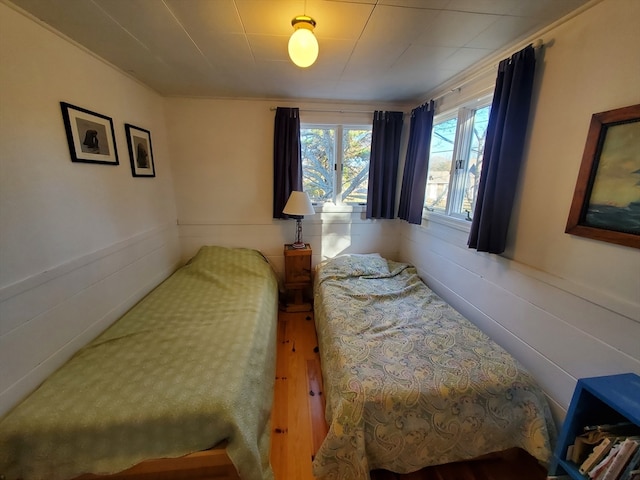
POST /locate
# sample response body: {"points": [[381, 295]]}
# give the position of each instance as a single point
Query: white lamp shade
{"points": [[303, 47], [298, 204]]}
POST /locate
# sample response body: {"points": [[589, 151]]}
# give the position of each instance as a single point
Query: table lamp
{"points": [[297, 207]]}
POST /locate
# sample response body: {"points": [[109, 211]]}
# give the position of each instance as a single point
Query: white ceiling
{"points": [[370, 50]]}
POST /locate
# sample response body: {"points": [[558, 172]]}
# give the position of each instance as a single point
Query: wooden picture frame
{"points": [[90, 135], [140, 151], [606, 201]]}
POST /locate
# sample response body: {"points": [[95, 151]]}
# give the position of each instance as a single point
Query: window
{"points": [[335, 163], [455, 160]]}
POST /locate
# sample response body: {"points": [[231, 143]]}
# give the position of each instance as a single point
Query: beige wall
{"points": [[79, 243], [592, 64], [222, 159], [567, 307], [52, 208]]}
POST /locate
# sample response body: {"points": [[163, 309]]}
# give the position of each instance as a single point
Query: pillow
{"points": [[358, 265]]}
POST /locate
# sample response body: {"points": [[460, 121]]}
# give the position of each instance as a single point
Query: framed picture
{"points": [[606, 201], [90, 135], [140, 151]]}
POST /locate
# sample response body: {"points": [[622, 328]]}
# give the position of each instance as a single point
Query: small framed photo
{"points": [[90, 135], [140, 151], [606, 200]]}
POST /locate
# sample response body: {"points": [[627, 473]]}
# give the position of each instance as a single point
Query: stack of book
{"points": [[608, 452]]}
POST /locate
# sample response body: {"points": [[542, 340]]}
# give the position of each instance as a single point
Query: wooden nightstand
{"points": [[297, 278]]}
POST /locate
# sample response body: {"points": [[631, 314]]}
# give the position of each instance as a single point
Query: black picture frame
{"points": [[606, 200], [90, 135], [140, 151]]}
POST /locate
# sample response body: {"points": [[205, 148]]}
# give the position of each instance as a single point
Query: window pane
{"points": [[318, 160], [356, 144], [474, 164], [440, 158]]}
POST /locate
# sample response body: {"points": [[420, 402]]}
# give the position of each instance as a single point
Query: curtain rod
{"points": [[484, 71], [328, 111]]}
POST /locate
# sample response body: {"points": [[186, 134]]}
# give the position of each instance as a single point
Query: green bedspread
{"points": [[409, 381], [190, 365]]}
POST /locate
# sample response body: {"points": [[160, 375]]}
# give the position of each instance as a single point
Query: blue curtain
{"points": [[503, 151], [414, 178], [287, 158], [383, 164]]}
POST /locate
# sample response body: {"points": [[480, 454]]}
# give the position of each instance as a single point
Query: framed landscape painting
{"points": [[606, 201], [140, 151], [90, 135]]}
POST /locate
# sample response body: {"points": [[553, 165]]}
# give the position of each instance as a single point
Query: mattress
{"points": [[191, 365], [411, 383]]}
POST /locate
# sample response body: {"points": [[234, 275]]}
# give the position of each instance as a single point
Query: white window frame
{"points": [[459, 162], [336, 204]]}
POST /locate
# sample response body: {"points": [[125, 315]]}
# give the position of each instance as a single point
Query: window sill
{"points": [[332, 208], [458, 224]]}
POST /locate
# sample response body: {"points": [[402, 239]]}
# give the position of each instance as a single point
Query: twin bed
{"points": [[408, 381], [185, 381], [186, 378]]}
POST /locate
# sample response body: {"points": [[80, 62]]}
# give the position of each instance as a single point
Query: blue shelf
{"points": [[596, 401]]}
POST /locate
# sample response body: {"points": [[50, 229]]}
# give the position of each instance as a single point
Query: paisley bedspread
{"points": [[192, 364], [409, 382]]}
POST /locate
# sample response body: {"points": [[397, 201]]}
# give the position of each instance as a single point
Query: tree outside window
{"points": [[335, 162], [455, 161]]}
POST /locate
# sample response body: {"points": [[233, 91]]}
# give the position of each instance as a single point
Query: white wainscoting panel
{"points": [[329, 234], [558, 335], [46, 318]]}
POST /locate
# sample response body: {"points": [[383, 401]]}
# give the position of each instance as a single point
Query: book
{"points": [[626, 449], [593, 434], [596, 455], [597, 472], [632, 467], [585, 443]]}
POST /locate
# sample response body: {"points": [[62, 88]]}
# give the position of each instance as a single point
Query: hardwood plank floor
{"points": [[298, 425]]}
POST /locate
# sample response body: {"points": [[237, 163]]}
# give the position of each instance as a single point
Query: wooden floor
{"points": [[299, 427]]}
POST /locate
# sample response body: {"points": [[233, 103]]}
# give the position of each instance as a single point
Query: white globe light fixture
{"points": [[303, 46]]}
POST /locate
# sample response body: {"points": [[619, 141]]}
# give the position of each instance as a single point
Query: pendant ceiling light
{"points": [[303, 46]]}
